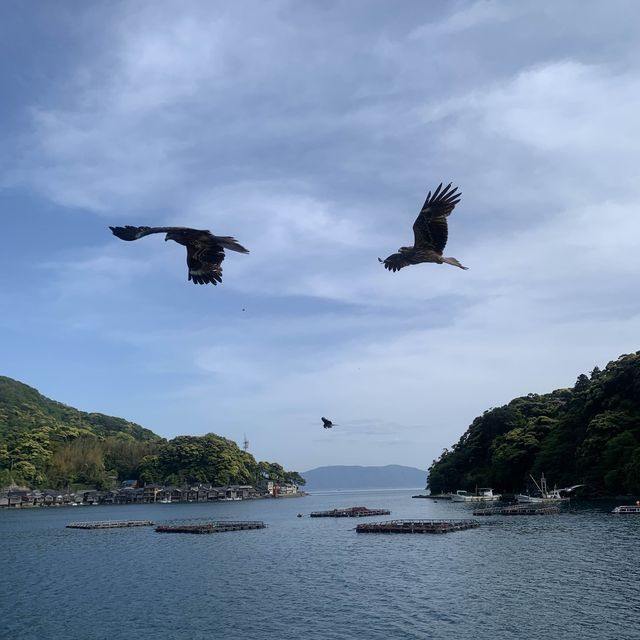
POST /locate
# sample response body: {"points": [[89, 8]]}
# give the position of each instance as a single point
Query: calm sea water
{"points": [[570, 576]]}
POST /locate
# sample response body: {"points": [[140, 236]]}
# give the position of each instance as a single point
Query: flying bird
{"points": [[327, 424], [430, 232], [205, 252]]}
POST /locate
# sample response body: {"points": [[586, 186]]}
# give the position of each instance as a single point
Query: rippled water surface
{"points": [[570, 576]]}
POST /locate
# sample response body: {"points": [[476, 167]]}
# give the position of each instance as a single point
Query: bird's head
{"points": [[170, 236]]}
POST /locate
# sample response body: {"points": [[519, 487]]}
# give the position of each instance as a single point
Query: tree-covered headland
{"points": [[589, 434], [44, 443]]}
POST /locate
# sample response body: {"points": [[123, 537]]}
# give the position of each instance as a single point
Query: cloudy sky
{"points": [[311, 131]]}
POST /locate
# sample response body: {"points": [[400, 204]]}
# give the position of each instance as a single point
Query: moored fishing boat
{"points": [[524, 498], [546, 496], [628, 508], [484, 494]]}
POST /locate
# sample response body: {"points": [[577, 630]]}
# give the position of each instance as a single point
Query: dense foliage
{"points": [[209, 459], [588, 434], [44, 443]]}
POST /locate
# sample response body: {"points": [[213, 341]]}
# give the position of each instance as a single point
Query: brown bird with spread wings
{"points": [[430, 232], [205, 252]]}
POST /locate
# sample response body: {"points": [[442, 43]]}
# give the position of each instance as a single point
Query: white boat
{"points": [[527, 499], [627, 508], [481, 495], [553, 496]]}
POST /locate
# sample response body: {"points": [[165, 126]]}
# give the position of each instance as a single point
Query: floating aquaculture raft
{"points": [[417, 526], [351, 512], [210, 527], [110, 524], [518, 510]]}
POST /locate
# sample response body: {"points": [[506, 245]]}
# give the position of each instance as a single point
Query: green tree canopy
{"points": [[587, 434], [46, 443]]}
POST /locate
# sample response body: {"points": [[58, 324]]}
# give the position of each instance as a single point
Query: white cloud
{"points": [[312, 140], [583, 111], [472, 16], [421, 386]]}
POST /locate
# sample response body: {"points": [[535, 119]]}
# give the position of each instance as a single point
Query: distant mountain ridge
{"points": [[337, 477]]}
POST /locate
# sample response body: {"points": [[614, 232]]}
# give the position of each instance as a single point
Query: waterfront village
{"points": [[130, 493]]}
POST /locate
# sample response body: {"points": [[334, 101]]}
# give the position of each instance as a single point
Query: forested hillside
{"points": [[588, 434], [46, 443]]}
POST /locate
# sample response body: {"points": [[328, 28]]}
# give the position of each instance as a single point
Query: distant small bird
{"points": [[205, 252], [327, 424], [430, 232]]}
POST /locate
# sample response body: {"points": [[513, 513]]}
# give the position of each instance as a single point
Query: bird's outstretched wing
{"points": [[395, 262], [205, 263], [187, 234], [134, 233], [573, 488], [430, 228]]}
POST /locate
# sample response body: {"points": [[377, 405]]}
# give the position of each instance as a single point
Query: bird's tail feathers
{"points": [[453, 262], [230, 243]]}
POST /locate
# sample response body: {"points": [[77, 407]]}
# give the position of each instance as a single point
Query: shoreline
{"points": [[21, 507]]}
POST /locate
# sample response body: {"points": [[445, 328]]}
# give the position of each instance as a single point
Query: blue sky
{"points": [[312, 132]]}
